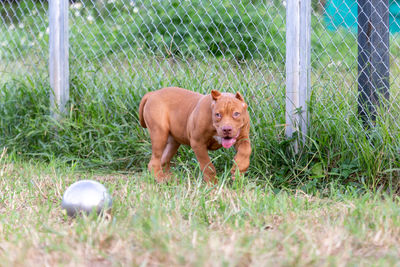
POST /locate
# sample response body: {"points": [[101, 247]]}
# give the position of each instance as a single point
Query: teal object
{"points": [[343, 13]]}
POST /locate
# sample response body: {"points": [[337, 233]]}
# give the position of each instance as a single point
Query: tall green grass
{"points": [[101, 130]]}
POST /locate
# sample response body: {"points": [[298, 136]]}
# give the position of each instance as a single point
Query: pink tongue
{"points": [[227, 143]]}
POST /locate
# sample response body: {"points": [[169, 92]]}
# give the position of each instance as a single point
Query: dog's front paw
{"points": [[210, 180], [163, 177], [236, 173]]}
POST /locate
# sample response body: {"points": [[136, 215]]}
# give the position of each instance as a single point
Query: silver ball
{"points": [[86, 196]]}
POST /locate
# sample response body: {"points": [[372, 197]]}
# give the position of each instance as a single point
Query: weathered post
{"points": [[298, 51], [58, 60], [373, 57]]}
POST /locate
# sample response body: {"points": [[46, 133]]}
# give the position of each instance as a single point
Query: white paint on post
{"points": [[58, 61], [298, 51]]}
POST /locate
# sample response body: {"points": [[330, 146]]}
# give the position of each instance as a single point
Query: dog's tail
{"points": [[141, 108]]}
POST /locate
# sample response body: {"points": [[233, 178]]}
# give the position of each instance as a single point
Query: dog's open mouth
{"points": [[227, 142]]}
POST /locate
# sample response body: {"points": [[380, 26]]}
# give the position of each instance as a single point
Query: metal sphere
{"points": [[86, 196]]}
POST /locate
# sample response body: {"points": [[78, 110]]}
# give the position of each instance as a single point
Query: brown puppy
{"points": [[176, 116]]}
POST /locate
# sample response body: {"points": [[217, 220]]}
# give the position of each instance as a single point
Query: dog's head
{"points": [[229, 115]]}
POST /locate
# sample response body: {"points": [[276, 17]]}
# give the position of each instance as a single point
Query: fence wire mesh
{"points": [[335, 74], [23, 40], [203, 45]]}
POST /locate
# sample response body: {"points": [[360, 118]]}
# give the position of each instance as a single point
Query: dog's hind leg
{"points": [[169, 151], [159, 139]]}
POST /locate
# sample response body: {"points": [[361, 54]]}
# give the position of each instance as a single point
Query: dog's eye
{"points": [[236, 114], [218, 115]]}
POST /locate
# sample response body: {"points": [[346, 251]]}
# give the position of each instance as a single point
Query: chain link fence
{"points": [[202, 45], [335, 69], [23, 40], [198, 45]]}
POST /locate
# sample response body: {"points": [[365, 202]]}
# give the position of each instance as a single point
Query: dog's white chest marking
{"points": [[218, 139]]}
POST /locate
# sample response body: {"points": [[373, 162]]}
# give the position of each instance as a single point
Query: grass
{"points": [[187, 223], [102, 131], [333, 203]]}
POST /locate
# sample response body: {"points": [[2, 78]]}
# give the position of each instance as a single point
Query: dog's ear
{"points": [[215, 94], [240, 97]]}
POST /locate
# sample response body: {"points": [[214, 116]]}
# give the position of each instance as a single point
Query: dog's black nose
{"points": [[227, 130]]}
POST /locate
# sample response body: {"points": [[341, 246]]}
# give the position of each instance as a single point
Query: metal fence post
{"points": [[373, 57], [298, 51], [58, 60]]}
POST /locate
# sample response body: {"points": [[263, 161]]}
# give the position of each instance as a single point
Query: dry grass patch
{"points": [[189, 224]]}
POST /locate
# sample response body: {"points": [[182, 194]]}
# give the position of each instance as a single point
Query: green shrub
{"points": [[243, 30]]}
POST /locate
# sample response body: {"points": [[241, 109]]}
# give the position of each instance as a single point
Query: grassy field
{"points": [[189, 224], [335, 203]]}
